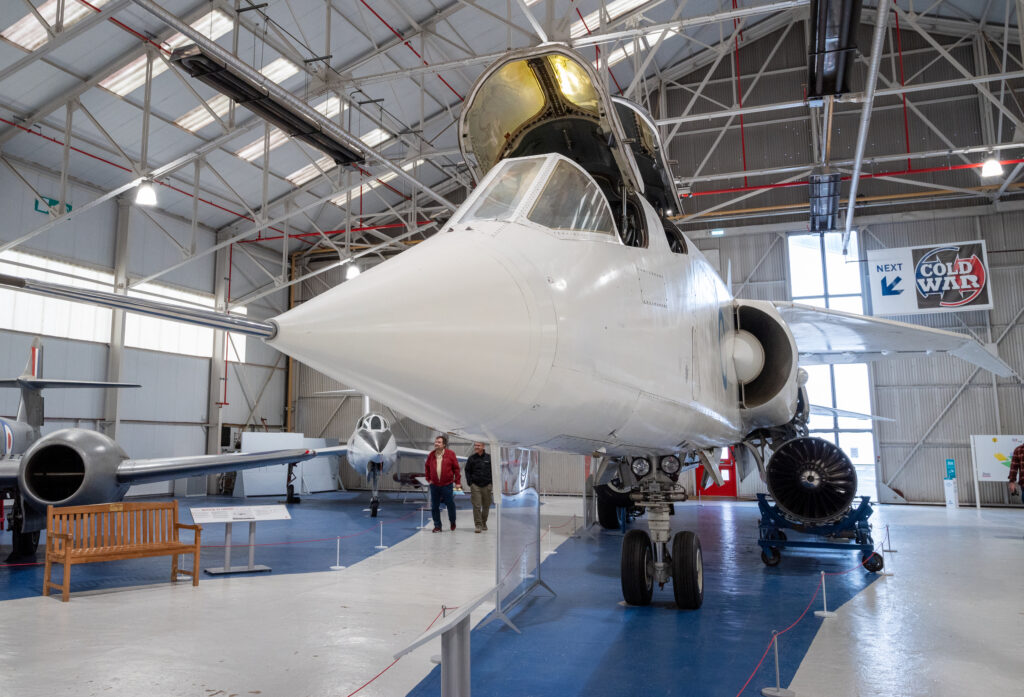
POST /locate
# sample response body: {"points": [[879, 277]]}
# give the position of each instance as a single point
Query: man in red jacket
{"points": [[442, 470]]}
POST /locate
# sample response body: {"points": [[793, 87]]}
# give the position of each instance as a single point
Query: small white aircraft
{"points": [[373, 449], [559, 308]]}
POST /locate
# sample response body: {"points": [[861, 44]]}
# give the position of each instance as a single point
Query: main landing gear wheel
{"points": [[687, 570], [607, 514], [637, 568], [873, 562], [374, 505]]}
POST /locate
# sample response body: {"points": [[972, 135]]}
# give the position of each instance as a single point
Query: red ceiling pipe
{"points": [[920, 170]]}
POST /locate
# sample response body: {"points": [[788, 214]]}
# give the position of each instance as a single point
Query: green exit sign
{"points": [[42, 203]]}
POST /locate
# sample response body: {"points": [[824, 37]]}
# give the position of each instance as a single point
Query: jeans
{"points": [[438, 495], [482, 500]]}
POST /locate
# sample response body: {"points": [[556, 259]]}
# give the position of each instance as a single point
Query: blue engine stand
{"points": [[852, 531]]}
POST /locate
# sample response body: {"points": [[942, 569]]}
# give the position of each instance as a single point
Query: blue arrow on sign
{"points": [[890, 288]]}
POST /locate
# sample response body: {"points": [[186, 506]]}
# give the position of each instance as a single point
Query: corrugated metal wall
{"points": [[918, 393]]}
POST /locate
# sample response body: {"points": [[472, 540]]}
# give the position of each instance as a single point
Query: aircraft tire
{"points": [[637, 568], [687, 570], [873, 562], [607, 514], [23, 549], [374, 505]]}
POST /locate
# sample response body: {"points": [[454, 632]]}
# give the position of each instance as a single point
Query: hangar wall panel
{"points": [[917, 392], [87, 239]]}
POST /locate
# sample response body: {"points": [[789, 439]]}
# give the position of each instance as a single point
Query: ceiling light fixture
{"points": [[351, 272], [145, 195], [991, 167], [718, 232]]}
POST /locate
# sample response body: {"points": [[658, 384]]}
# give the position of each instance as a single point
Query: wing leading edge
{"points": [[832, 336], [163, 468]]}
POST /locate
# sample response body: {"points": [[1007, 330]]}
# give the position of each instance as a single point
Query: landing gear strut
{"points": [[24, 544]]}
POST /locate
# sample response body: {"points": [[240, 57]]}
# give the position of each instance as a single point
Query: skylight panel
{"points": [[277, 71], [375, 137], [616, 9], [329, 107], [28, 33], [212, 25], [342, 199], [626, 50], [310, 172]]}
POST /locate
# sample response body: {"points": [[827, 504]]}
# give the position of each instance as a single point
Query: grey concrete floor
{"points": [[948, 622]]}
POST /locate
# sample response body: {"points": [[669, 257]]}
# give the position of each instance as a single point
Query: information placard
{"points": [[238, 514]]}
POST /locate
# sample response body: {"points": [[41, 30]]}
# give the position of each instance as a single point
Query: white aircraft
{"points": [[558, 308], [373, 449]]}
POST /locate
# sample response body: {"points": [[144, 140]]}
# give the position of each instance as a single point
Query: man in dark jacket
{"points": [[478, 474], [442, 471]]}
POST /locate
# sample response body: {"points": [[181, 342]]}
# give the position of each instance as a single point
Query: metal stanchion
{"points": [[888, 544], [551, 549], [575, 536], [337, 564], [778, 690], [381, 545], [824, 601]]}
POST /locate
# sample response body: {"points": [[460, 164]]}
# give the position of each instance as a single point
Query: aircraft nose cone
{"points": [[449, 332]]}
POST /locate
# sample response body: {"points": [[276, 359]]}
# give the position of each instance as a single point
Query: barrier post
{"points": [[551, 548], [778, 690], [574, 535], [888, 543], [381, 545], [824, 601], [337, 564]]}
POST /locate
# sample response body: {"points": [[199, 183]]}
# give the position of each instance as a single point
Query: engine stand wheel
{"points": [[637, 568], [687, 570], [607, 514], [772, 557], [873, 562]]}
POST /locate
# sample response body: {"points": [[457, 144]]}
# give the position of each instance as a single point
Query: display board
{"points": [[934, 278], [992, 456], [235, 514]]}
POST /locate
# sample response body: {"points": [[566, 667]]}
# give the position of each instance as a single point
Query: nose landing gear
{"points": [[646, 559]]}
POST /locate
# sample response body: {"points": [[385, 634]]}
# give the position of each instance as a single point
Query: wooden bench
{"points": [[112, 531]]}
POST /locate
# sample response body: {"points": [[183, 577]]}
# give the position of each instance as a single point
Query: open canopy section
{"points": [[546, 100], [642, 136]]}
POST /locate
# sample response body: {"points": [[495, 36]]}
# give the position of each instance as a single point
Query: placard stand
{"points": [[227, 568]]}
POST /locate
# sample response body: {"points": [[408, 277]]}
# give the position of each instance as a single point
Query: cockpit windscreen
{"points": [[499, 199], [571, 200]]}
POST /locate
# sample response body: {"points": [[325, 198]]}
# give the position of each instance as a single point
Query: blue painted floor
{"points": [[303, 544], [585, 642]]}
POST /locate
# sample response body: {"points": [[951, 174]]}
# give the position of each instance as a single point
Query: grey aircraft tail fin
{"points": [[31, 383]]}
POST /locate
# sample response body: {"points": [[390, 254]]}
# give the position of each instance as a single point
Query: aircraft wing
{"points": [[414, 452], [9, 471], [161, 469], [843, 413], [41, 383], [831, 336]]}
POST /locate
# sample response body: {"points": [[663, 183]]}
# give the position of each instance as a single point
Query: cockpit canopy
{"points": [[550, 191], [372, 422], [547, 100]]}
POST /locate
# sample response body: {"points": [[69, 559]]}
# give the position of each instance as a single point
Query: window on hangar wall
{"points": [[34, 314], [821, 275]]}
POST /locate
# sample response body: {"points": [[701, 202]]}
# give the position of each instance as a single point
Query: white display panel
{"points": [[271, 480], [992, 456]]}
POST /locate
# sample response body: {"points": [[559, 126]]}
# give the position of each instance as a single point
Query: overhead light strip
{"points": [[28, 33]]}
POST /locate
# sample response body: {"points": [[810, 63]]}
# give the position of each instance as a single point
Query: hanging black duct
{"points": [[220, 77], [823, 194], [833, 46]]}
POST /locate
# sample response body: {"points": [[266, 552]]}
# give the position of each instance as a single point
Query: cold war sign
{"points": [[934, 278]]}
